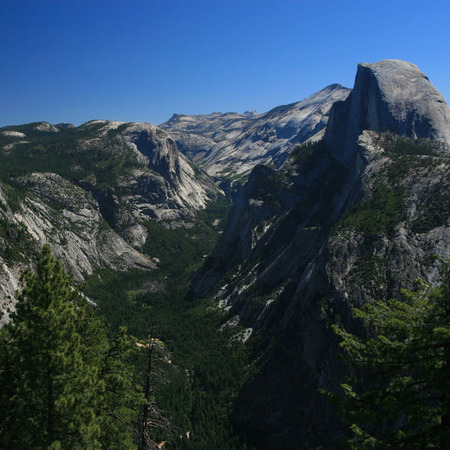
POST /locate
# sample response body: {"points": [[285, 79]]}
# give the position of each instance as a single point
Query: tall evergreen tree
{"points": [[63, 385], [399, 394], [123, 397]]}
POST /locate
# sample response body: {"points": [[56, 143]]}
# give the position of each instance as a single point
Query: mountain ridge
{"points": [[231, 144]]}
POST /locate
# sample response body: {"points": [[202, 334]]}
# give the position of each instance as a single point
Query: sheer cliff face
{"points": [[229, 145], [389, 95], [159, 150], [346, 221]]}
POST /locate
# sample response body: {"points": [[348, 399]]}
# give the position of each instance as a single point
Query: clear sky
{"points": [[143, 60]]}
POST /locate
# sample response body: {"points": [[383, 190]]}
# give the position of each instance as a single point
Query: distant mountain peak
{"points": [[332, 87], [176, 116]]}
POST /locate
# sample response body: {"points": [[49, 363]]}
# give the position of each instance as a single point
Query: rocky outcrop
{"points": [[389, 95], [229, 145], [158, 149], [46, 127], [161, 183], [10, 276], [66, 217]]}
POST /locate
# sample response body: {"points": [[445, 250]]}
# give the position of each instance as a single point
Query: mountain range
{"points": [[339, 199], [230, 145]]}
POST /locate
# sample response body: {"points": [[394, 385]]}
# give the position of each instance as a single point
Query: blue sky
{"points": [[143, 60]]}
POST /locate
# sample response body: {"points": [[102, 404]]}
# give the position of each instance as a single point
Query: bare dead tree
{"points": [[153, 419]]}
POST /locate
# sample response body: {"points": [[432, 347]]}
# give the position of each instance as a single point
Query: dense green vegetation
{"points": [[206, 371], [403, 360], [401, 146], [181, 250], [63, 383], [379, 214], [14, 241], [196, 390], [309, 155], [434, 212], [62, 153], [216, 211]]}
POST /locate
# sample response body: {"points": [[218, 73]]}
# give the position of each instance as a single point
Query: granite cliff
{"points": [[389, 95], [346, 220]]}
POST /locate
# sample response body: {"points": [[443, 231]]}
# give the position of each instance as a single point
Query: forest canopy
{"points": [[398, 394]]}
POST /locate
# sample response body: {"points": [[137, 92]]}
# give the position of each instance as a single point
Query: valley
{"points": [[239, 240]]}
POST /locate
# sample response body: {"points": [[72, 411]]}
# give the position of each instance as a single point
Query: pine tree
{"points": [[399, 393], [63, 385], [123, 397]]}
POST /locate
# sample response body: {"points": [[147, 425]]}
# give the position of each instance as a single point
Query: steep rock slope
{"points": [[343, 222], [230, 145], [91, 192], [57, 212]]}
